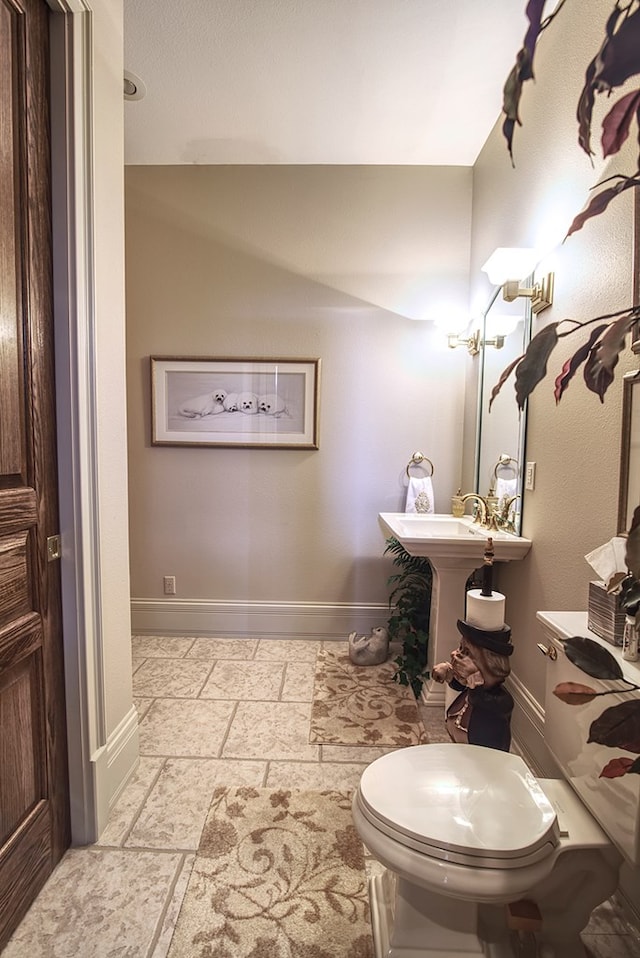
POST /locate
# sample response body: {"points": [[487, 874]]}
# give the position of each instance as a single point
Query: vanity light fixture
{"points": [[507, 266], [474, 342], [540, 294]]}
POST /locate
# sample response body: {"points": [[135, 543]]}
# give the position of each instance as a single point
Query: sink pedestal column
{"points": [[450, 575], [454, 547]]}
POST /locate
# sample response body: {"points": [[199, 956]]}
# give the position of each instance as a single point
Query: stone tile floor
{"points": [[212, 712]]}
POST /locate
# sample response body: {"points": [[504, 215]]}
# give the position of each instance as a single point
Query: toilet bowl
{"points": [[466, 834]]}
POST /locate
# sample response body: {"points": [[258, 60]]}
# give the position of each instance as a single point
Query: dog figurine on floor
{"points": [[369, 649]]}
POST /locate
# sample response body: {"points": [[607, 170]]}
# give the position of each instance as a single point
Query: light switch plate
{"points": [[530, 476]]}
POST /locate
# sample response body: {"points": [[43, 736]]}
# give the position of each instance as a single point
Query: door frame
{"points": [[95, 776]]}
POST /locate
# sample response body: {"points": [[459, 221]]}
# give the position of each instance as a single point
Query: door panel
{"points": [[34, 796]]}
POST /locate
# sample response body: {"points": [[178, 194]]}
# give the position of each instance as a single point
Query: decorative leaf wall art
{"points": [[619, 725]]}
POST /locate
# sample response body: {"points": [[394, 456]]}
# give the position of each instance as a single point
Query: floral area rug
{"points": [[361, 704], [278, 874]]}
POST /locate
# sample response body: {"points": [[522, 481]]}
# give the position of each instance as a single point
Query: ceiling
{"points": [[391, 82]]}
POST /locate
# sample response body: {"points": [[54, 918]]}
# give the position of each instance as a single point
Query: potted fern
{"points": [[410, 603]]}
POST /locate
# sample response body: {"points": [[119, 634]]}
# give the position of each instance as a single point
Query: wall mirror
{"points": [[629, 496], [500, 434]]}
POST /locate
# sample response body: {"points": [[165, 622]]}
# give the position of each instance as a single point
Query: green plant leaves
{"points": [[592, 658], [410, 602]]}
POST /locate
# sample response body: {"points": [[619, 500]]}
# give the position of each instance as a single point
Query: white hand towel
{"points": [[420, 495]]}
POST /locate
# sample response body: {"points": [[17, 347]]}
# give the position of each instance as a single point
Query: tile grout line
{"points": [[159, 927], [214, 663], [135, 818], [228, 730], [283, 681]]}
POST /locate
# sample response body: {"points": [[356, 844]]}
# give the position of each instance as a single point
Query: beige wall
{"points": [[325, 262], [329, 262], [576, 444]]}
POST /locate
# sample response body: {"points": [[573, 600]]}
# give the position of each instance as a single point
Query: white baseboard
{"points": [[114, 765], [286, 620]]}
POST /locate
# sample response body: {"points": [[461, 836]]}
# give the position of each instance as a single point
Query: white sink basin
{"points": [[446, 536], [454, 547]]}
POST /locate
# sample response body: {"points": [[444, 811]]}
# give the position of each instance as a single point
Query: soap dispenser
{"points": [[492, 501], [457, 504]]}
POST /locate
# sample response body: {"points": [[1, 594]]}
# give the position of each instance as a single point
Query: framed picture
{"points": [[235, 402]]}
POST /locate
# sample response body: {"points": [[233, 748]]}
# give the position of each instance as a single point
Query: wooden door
{"points": [[34, 789]]}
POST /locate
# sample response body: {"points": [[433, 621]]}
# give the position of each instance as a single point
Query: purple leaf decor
{"points": [[616, 61], [603, 358], [600, 201], [592, 658], [617, 122], [620, 766], [572, 365], [533, 367], [503, 378], [618, 727], [573, 693]]}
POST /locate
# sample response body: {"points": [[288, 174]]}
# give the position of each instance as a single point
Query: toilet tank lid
{"points": [[465, 798]]}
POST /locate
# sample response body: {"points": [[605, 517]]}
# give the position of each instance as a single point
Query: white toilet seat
{"points": [[473, 806]]}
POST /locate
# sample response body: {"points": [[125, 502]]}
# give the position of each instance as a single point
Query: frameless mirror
{"points": [[500, 433]]}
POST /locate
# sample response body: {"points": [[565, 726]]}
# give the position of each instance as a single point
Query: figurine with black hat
{"points": [[480, 714]]}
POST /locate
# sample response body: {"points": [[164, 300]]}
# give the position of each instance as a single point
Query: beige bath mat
{"points": [[278, 874], [361, 705]]}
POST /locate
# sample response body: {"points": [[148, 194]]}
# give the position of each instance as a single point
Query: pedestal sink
{"points": [[454, 547]]}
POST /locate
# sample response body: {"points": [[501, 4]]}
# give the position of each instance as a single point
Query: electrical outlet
{"points": [[530, 476], [169, 585]]}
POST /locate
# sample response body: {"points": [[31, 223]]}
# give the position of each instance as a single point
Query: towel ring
{"points": [[416, 460], [504, 460]]}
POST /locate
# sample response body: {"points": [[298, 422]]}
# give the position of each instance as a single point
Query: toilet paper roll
{"points": [[485, 611]]}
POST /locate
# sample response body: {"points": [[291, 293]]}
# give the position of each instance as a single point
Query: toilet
{"points": [[481, 857]]}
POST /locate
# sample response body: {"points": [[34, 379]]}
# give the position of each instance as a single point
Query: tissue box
{"points": [[604, 615]]}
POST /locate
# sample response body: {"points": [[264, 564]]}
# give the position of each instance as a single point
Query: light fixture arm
{"points": [[474, 342], [540, 294]]}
